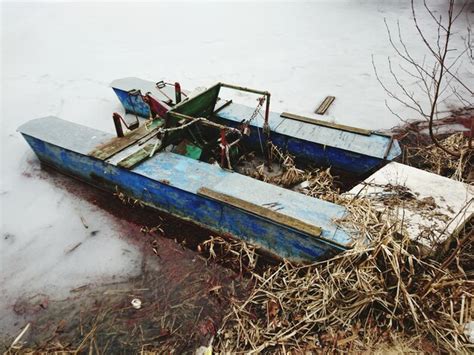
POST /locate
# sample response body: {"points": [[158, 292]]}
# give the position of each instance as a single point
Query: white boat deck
{"points": [[437, 207]]}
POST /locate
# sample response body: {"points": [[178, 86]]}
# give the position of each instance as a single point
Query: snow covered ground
{"points": [[58, 59]]}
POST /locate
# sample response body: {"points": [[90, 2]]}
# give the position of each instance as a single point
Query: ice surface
{"points": [[58, 59]]}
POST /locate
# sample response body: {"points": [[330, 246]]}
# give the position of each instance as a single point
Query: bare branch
{"points": [[461, 99], [434, 77], [420, 32], [392, 94], [394, 113], [448, 33], [417, 107], [406, 56], [438, 82], [456, 59], [460, 11]]}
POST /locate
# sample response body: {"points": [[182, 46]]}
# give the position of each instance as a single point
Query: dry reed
{"points": [[434, 159], [381, 291]]}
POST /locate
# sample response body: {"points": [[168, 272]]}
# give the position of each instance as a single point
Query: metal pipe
{"points": [[204, 121], [118, 124], [267, 113], [242, 88], [177, 91], [266, 93]]}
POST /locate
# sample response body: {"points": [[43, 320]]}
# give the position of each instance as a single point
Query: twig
{"points": [[18, 338]]}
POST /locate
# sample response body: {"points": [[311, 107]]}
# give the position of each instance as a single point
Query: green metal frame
{"points": [[202, 106]]}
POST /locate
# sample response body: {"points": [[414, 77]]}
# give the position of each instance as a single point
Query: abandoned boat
{"points": [[348, 149], [181, 160]]}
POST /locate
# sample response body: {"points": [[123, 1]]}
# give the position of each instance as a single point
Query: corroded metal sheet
{"points": [[261, 211], [133, 102], [180, 172], [237, 112], [201, 105], [374, 145]]}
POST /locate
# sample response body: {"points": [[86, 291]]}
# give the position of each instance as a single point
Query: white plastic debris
{"points": [[302, 185], [136, 303], [205, 350], [469, 331]]}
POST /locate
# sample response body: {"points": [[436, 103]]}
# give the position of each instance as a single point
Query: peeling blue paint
{"points": [[133, 103], [169, 182]]}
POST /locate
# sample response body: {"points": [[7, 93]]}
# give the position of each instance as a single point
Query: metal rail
{"points": [[253, 91]]}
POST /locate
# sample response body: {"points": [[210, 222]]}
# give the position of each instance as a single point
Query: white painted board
{"points": [[436, 206]]}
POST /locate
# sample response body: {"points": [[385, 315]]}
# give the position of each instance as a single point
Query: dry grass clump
{"points": [[279, 169], [232, 252], [313, 182], [283, 171], [434, 159], [126, 199], [320, 183], [382, 291]]}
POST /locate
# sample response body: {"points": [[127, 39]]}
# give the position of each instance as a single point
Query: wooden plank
{"points": [[136, 157], [117, 144], [317, 122], [274, 216], [321, 110]]}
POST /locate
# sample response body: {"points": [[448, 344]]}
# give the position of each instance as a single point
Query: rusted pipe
{"points": [[118, 124], [266, 125], [204, 121], [177, 91]]}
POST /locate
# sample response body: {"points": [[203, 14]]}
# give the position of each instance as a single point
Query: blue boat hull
{"points": [[133, 103], [279, 240], [344, 151], [314, 154]]}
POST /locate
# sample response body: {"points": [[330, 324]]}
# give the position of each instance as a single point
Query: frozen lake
{"points": [[58, 59]]}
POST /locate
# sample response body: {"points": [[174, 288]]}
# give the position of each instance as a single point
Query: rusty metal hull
{"points": [[171, 183]]}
